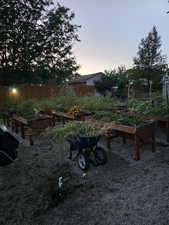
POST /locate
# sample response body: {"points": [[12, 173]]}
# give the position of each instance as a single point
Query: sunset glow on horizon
{"points": [[111, 30]]}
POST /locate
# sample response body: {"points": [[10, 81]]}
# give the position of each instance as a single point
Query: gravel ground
{"points": [[122, 192]]}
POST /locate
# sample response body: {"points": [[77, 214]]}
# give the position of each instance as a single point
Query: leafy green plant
{"points": [[124, 119], [65, 102], [94, 103], [31, 107], [148, 108], [10, 106], [27, 108], [44, 104], [102, 115], [73, 128], [67, 90]]}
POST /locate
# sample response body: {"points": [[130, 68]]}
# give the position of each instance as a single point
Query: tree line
{"points": [[149, 66], [36, 40]]}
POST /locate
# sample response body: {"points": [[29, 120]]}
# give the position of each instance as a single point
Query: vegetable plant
{"points": [[73, 128], [149, 108], [124, 119]]}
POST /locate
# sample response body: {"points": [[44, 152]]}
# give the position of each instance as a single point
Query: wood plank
{"points": [[20, 119], [136, 153], [112, 125], [63, 115], [146, 132], [164, 119], [150, 117]]}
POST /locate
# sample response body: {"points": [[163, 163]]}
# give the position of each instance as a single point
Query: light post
{"points": [[129, 86], [150, 90], [167, 87], [115, 88], [165, 82]]}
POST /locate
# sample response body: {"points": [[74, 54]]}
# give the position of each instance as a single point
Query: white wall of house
{"points": [[97, 93], [92, 80]]}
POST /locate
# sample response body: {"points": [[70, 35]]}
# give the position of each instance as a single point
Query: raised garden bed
{"points": [[162, 120], [156, 110], [63, 117], [141, 135], [31, 127], [5, 118]]}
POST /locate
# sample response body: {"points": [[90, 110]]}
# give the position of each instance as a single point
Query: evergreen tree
{"points": [[149, 61]]}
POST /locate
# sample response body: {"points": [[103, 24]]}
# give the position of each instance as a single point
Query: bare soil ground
{"points": [[122, 192]]}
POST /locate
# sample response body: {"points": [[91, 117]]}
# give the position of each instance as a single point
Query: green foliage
{"points": [[43, 104], [91, 103], [149, 62], [65, 99], [123, 119], [36, 40], [94, 103], [67, 91], [108, 80], [28, 108], [148, 108], [102, 115], [10, 106], [63, 103], [111, 79], [73, 128]]}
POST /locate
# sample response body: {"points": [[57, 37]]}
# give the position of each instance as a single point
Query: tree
{"points": [[36, 42], [107, 82], [112, 81], [149, 62], [168, 11]]}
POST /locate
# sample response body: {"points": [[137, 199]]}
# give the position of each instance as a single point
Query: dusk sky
{"points": [[112, 29]]}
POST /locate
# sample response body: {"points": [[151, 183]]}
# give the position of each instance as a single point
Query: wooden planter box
{"points": [[61, 116], [6, 117], [140, 135], [31, 127], [113, 109], [163, 121]]}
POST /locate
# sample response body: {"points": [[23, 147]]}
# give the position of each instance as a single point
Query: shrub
{"points": [[27, 108], [147, 107], [73, 128], [44, 104], [95, 103], [124, 119], [10, 106]]}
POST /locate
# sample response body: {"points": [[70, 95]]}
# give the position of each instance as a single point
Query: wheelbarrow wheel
{"points": [[100, 156], [83, 161]]}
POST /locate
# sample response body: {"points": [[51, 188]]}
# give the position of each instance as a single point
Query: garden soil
{"points": [[122, 192]]}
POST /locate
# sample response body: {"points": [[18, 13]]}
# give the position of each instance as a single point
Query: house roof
{"points": [[84, 78]]}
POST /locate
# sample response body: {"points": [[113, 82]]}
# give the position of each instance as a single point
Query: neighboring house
{"points": [[88, 80]]}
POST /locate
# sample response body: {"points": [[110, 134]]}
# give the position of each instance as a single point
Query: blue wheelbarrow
{"points": [[87, 151]]}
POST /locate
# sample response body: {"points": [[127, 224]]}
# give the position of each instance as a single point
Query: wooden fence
{"points": [[23, 92]]}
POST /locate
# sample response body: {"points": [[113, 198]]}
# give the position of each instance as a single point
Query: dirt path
{"points": [[121, 192]]}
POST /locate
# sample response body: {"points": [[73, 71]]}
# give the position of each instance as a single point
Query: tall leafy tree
{"points": [[149, 61], [36, 40], [113, 81]]}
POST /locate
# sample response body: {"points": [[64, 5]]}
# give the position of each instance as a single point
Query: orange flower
{"points": [[74, 110]]}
